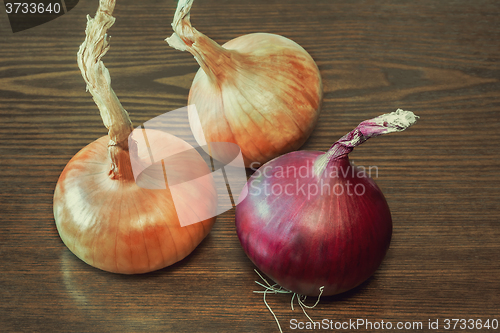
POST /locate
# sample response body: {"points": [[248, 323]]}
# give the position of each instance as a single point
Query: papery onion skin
{"points": [[260, 91], [251, 106], [312, 220], [101, 213], [117, 226], [328, 241]]}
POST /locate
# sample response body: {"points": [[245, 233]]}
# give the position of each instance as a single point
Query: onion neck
{"points": [[96, 76], [215, 60], [396, 121], [121, 167]]}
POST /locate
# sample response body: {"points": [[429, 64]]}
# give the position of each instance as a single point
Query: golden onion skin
{"points": [[117, 226], [265, 97], [260, 91]]}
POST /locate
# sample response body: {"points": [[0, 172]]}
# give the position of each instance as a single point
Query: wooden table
{"points": [[440, 59]]}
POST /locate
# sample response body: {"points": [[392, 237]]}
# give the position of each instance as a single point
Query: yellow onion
{"points": [[261, 91], [101, 214]]}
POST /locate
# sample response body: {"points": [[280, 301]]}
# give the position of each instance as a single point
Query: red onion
{"points": [[313, 219]]}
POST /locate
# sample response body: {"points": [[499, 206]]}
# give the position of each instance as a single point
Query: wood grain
{"points": [[440, 59]]}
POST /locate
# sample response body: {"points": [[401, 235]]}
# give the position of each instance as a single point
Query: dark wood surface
{"points": [[440, 59]]}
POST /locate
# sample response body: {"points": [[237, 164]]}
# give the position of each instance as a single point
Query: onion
{"points": [[101, 214], [313, 220], [260, 91]]}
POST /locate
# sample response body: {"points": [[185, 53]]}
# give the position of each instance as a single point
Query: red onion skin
{"points": [[335, 241]]}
